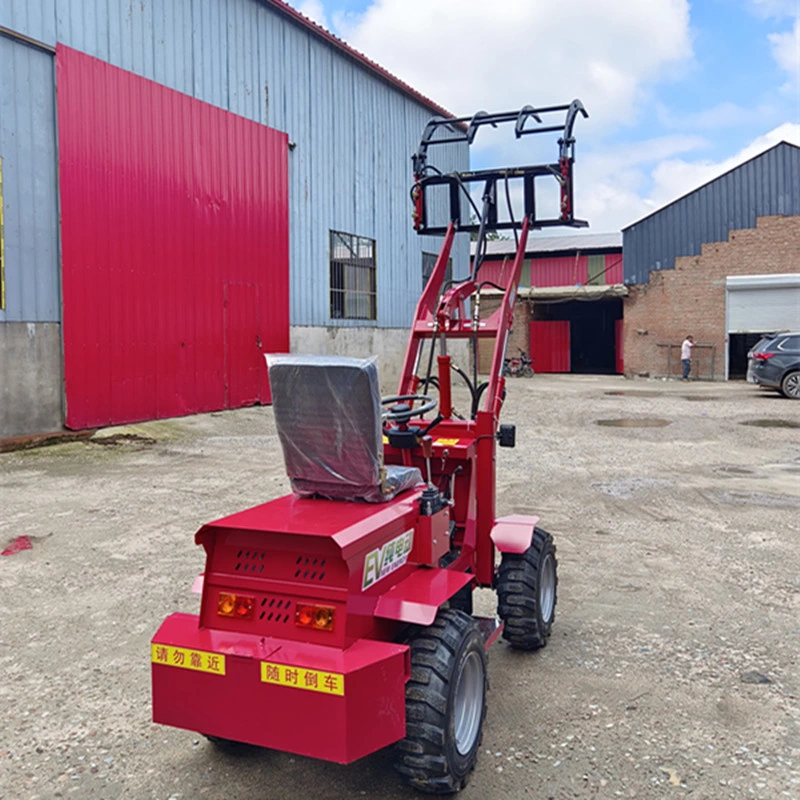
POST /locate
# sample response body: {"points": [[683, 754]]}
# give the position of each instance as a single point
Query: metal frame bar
{"points": [[30, 41]]}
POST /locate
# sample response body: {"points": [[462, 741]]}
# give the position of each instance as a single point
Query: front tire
{"points": [[445, 704], [526, 593], [790, 385]]}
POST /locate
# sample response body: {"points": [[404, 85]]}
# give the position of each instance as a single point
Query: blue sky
{"points": [[678, 92]]}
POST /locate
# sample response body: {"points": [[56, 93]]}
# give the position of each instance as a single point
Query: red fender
{"points": [[513, 534], [417, 598]]}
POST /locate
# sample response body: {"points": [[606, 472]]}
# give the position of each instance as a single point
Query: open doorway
{"points": [[738, 346], [592, 331]]}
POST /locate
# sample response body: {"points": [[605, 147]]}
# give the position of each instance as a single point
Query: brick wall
{"points": [[690, 299], [517, 337]]}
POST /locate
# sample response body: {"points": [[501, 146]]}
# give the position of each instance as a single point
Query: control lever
{"points": [[427, 451], [433, 424]]}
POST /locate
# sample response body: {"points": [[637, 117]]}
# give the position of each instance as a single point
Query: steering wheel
{"points": [[401, 410]]}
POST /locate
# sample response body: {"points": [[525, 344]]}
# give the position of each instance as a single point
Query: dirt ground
{"points": [[673, 665]]}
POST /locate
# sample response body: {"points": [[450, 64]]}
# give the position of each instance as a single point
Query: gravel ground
{"points": [[673, 665]]}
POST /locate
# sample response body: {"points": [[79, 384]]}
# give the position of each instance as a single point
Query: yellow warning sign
{"points": [[300, 678], [197, 660]]}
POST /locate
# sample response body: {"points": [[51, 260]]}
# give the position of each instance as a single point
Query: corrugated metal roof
{"points": [[766, 185], [555, 244]]}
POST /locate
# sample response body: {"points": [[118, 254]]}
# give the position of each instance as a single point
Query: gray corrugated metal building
{"points": [[352, 124], [766, 185]]}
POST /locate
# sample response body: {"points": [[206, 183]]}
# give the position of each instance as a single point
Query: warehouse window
{"points": [[2, 244], [429, 262], [352, 277]]}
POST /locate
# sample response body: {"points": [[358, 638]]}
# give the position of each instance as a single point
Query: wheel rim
{"points": [[547, 588], [792, 384], [469, 703]]}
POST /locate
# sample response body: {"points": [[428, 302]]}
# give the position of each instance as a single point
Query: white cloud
{"points": [[468, 54], [314, 10], [612, 185], [786, 52], [775, 8], [675, 177], [616, 187], [723, 115]]}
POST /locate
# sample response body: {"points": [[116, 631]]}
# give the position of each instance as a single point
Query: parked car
{"points": [[774, 363]]}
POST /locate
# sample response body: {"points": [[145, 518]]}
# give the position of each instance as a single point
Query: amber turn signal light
{"points": [[235, 605], [318, 618]]}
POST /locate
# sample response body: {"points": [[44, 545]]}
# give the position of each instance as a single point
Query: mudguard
{"points": [[514, 533]]}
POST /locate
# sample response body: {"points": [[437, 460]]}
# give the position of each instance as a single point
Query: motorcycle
{"points": [[518, 367]]}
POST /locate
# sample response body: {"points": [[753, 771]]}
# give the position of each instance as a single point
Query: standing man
{"points": [[686, 356]]}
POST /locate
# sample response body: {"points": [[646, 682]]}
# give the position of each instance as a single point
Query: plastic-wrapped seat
{"points": [[328, 416]]}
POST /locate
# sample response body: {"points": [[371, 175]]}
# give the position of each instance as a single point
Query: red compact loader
{"points": [[337, 620]]}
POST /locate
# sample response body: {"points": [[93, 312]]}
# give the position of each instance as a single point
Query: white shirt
{"points": [[686, 350]]}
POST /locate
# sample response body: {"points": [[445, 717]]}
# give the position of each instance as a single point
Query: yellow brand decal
{"points": [[447, 442], [311, 679], [198, 660], [385, 439]]}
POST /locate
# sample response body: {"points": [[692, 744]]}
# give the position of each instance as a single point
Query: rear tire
{"points": [[462, 600], [445, 705], [230, 746], [526, 593], [790, 385]]}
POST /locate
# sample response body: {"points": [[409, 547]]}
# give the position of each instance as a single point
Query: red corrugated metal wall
{"points": [[556, 271], [175, 248], [496, 270], [549, 345], [614, 269], [559, 271]]}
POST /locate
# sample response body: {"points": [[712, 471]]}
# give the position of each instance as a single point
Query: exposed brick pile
{"points": [[690, 299]]}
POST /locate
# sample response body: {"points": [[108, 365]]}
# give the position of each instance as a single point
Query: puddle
{"points": [[699, 398], [635, 393], [633, 423], [771, 423]]}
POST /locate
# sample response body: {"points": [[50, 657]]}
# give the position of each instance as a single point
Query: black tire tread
{"points": [[518, 601], [783, 385], [421, 757]]}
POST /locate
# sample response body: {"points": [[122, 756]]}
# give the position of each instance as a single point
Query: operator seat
{"points": [[328, 416]]}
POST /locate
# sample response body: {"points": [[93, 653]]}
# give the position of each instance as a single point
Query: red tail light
{"points": [[764, 356], [319, 618], [235, 605]]}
